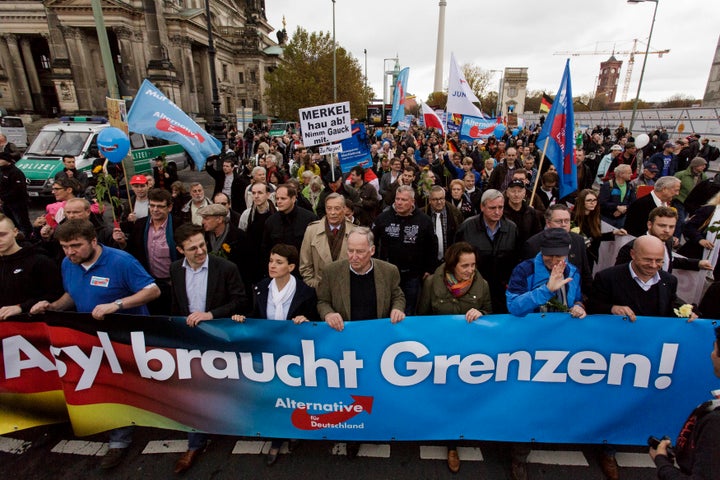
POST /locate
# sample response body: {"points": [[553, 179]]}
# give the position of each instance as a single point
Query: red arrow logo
{"points": [[304, 421], [164, 125]]}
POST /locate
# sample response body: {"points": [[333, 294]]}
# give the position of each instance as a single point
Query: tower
{"points": [[608, 78], [437, 87]]}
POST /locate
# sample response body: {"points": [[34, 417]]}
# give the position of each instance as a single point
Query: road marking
{"points": [[637, 460], [79, 447], [381, 450], [557, 457], [13, 445], [166, 446], [469, 454], [244, 447]]}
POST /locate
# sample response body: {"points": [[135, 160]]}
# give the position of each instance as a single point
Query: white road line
{"points": [[366, 450], [432, 452], [244, 447], [165, 446], [470, 454], [638, 460], [13, 445], [79, 447], [557, 457], [467, 454]]}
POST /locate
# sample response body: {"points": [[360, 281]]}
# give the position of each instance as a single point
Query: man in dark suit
{"points": [[640, 287], [661, 224], [639, 210], [204, 287], [228, 181]]}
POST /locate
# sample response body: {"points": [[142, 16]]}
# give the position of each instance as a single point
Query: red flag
{"points": [[431, 119]]}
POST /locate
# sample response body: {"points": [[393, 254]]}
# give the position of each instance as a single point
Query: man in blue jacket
{"points": [[547, 282]]}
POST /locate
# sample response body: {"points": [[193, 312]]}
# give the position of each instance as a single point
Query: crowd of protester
{"points": [[445, 226]]}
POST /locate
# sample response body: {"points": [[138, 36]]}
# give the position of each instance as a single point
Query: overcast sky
{"points": [[514, 33]]}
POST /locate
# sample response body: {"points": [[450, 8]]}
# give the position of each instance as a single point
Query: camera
{"points": [[653, 442]]}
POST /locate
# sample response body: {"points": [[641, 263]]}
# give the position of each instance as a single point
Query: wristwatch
{"points": [[119, 303]]}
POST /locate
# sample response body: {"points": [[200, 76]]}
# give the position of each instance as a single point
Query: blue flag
{"points": [[398, 106], [558, 132], [152, 113]]}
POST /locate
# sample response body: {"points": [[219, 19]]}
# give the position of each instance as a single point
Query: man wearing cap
{"points": [[604, 166], [690, 177], [707, 151], [547, 282], [666, 161], [13, 194], [224, 239], [647, 176], [139, 185]]}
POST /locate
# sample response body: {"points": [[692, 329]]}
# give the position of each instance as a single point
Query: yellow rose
{"points": [[684, 311], [575, 230], [226, 247]]}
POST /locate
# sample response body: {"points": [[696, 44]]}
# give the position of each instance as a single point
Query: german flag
{"points": [[545, 103]]}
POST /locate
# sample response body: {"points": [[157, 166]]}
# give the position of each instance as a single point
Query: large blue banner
{"points": [[547, 378], [152, 113]]}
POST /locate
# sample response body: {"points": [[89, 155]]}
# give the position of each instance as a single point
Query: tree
{"points": [[532, 100], [477, 78], [678, 100], [437, 99], [305, 78]]}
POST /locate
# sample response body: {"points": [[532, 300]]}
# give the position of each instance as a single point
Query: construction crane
{"points": [[630, 64]]}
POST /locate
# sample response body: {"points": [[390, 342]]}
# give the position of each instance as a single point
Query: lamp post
{"points": [[497, 104], [334, 58], [216, 126], [647, 52], [365, 52]]}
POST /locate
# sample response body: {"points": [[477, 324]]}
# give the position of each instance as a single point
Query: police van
{"points": [[14, 130], [77, 136]]}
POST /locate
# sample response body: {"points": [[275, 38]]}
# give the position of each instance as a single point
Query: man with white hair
{"points": [[638, 212]]}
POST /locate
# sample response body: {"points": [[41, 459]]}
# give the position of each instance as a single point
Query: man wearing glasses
{"points": [[558, 216], [446, 219], [150, 240]]}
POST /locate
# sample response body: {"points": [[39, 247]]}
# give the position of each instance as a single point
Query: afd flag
{"points": [[558, 134], [477, 128], [398, 105], [152, 113]]}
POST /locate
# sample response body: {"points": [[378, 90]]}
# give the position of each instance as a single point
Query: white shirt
{"points": [[644, 285], [196, 285]]}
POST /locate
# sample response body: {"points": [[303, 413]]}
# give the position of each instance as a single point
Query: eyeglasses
{"points": [[57, 188]]}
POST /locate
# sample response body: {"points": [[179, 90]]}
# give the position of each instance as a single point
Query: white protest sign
{"points": [[330, 149], [325, 123]]}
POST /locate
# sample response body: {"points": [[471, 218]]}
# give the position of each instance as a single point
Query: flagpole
{"points": [[537, 177]]}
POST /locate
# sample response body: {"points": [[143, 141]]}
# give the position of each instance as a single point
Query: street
{"points": [[53, 452]]}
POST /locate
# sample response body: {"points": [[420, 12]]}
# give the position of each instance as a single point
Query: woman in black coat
{"points": [[282, 296]]}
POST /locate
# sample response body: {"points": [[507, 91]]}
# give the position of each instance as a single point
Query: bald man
{"points": [[640, 287]]}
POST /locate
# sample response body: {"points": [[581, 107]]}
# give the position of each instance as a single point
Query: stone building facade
{"points": [[50, 61]]}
